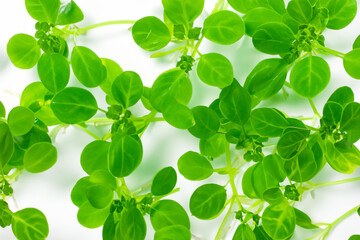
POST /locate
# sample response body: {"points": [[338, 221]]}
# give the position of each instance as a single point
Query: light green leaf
{"points": [[127, 88], [351, 63], [303, 220], [112, 71], [291, 142], [268, 122], [91, 217], [244, 6], [342, 95], [69, 13], [214, 146], [341, 13], [350, 121], [20, 120], [194, 166], [131, 225], [43, 10], [173, 232], [23, 51], [164, 181], [40, 157], [179, 115], [6, 143], [207, 122], [29, 223], [244, 232], [183, 11], [94, 156], [259, 16], [100, 196], [300, 10], [5, 214]]}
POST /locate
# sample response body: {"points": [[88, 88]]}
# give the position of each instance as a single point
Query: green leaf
{"points": [[279, 220], [164, 181], [257, 17], [207, 201], [207, 122], [341, 13], [54, 71], [291, 142], [354, 237], [43, 10], [350, 121], [150, 33], [69, 13], [267, 78], [173, 232], [78, 192], [108, 232], [165, 213], [179, 115], [87, 67], [6, 143], [274, 165], [268, 122], [215, 70], [300, 10], [214, 146], [351, 63], [194, 166], [2, 110], [332, 113], [127, 88], [224, 27], [100, 196], [244, 232], [339, 159], [357, 42], [34, 93], [112, 71], [94, 156], [342, 95], [103, 177], [40, 157], [260, 233], [73, 105], [131, 225], [235, 103], [246, 5], [91, 217], [5, 214], [172, 85], [23, 51], [35, 135], [20, 120], [310, 76], [273, 195], [303, 220], [183, 11], [273, 38], [29, 223], [125, 154]]}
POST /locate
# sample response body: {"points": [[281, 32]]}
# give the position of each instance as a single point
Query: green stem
{"points": [[195, 50], [157, 198], [142, 188], [232, 175], [161, 54], [87, 131], [316, 185], [218, 235], [124, 187], [314, 108], [312, 128], [85, 29], [287, 84], [100, 121], [330, 51]]}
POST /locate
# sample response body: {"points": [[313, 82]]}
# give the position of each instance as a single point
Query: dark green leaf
{"points": [[108, 232], [54, 71], [183, 11], [94, 156], [206, 122], [342, 95], [215, 70], [224, 27], [300, 10], [257, 17], [341, 13], [268, 122], [125, 154], [214, 146], [29, 223], [73, 105], [273, 195], [235, 103], [91, 217], [23, 51], [350, 121], [303, 220], [131, 225], [69, 13], [291, 142], [150, 33], [244, 232], [167, 213], [267, 78], [310, 76], [273, 38], [99, 195], [20, 120], [6, 143], [194, 166], [164, 181], [354, 237], [279, 220], [127, 88], [5, 214], [87, 67], [261, 234], [357, 42], [207, 201], [173, 232], [351, 63], [112, 71], [40, 157], [43, 10]]}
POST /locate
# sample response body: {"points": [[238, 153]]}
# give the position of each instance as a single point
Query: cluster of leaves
{"points": [[232, 123]]}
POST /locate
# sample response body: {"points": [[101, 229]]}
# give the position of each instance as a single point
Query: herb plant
{"points": [[267, 156]]}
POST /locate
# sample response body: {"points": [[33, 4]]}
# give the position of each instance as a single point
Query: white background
{"points": [[163, 145]]}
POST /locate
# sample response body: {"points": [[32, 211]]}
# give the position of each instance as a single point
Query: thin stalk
{"points": [[100, 121], [314, 108], [312, 128], [316, 185], [330, 51], [161, 54], [85, 29], [88, 132], [142, 188], [195, 50], [218, 235], [231, 175]]}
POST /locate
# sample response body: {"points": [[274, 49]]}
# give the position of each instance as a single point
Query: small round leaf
{"points": [[194, 166], [20, 120], [127, 88], [352, 63], [164, 181], [23, 51], [40, 157], [94, 156]]}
